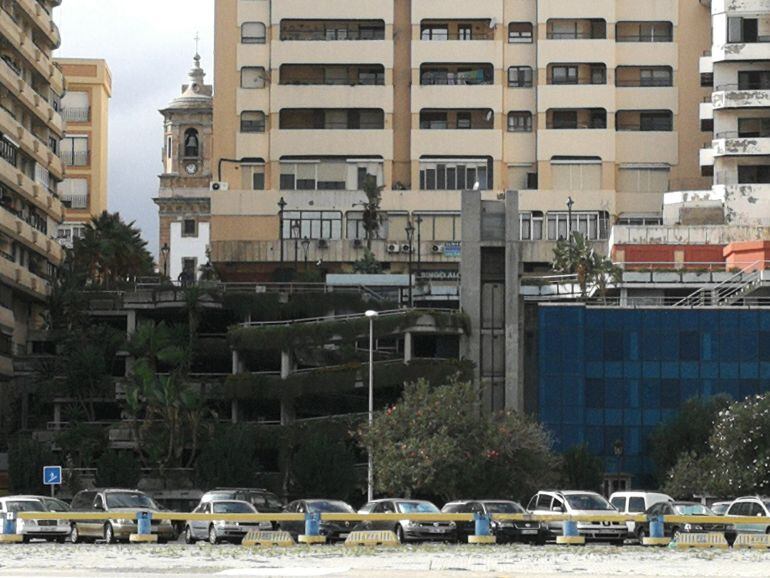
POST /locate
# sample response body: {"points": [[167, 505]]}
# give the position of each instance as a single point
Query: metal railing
{"points": [[351, 317], [76, 114], [333, 35], [727, 292]]}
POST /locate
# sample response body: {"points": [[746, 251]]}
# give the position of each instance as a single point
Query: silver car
{"points": [[222, 530], [56, 530], [580, 503]]}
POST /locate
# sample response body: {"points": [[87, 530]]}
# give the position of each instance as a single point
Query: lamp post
{"points": [[305, 248], [371, 315], [295, 231], [164, 252], [570, 203], [281, 207], [618, 449], [418, 220], [410, 239]]}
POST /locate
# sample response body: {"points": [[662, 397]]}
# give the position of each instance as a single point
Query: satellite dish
{"points": [[476, 186], [488, 116], [493, 23]]}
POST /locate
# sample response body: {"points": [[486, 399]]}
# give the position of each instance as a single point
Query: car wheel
{"points": [[618, 542], [540, 540], [109, 534], [61, 540], [213, 538], [25, 539], [400, 534], [75, 534], [641, 534], [188, 536]]}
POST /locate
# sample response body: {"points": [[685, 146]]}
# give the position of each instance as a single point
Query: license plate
{"points": [[437, 530], [528, 532], [343, 536]]}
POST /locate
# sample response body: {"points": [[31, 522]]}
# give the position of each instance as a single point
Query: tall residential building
{"points": [[30, 130], [183, 198], [85, 109], [597, 101]]}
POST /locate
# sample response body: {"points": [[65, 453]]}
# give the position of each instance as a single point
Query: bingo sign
{"points": [[452, 250]]}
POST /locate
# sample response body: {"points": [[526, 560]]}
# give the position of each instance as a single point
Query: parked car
{"points": [[119, 501], [673, 530], [334, 531], [751, 506], [720, 508], [265, 502], [505, 531], [222, 530], [636, 503], [580, 503], [53, 530], [406, 530], [51, 504]]}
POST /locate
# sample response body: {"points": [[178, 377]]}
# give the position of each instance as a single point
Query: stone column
{"points": [[408, 347]]}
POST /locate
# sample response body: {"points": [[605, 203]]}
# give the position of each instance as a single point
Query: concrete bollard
{"points": [[657, 535], [570, 535], [9, 535], [143, 529], [312, 533], [482, 535]]}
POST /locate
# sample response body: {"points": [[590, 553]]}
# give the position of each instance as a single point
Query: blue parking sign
{"points": [[52, 475]]}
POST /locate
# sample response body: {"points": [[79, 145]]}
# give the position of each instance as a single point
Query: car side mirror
{"points": [[557, 509], [759, 515]]}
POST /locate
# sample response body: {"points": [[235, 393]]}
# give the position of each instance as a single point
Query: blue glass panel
{"points": [[747, 388], [613, 417], [632, 393], [651, 417], [689, 370], [595, 439], [669, 346], [650, 394], [691, 388], [669, 370], [688, 320], [650, 345], [706, 350], [764, 320], [729, 370], [613, 393], [631, 441], [594, 369], [764, 370], [632, 417], [574, 415], [613, 369], [633, 345], [650, 369], [594, 416], [632, 369], [709, 369], [749, 370]]}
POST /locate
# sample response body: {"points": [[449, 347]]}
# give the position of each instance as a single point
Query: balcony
{"points": [[457, 143], [76, 159], [329, 96], [730, 144], [76, 114], [38, 14], [21, 278], [576, 29], [730, 96], [343, 143], [11, 79], [331, 119], [576, 119], [646, 32]]}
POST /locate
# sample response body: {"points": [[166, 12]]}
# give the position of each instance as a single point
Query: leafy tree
{"points": [[688, 432], [111, 251], [228, 458], [605, 273], [372, 218], [325, 466], [26, 459], [116, 468], [691, 475], [581, 469], [368, 264], [438, 442], [575, 256], [81, 444]]}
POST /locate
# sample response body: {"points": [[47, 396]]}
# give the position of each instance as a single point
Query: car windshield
{"points": [[218, 496], [503, 508], [233, 508], [720, 509], [268, 500], [416, 508], [130, 500], [588, 502], [56, 505], [25, 506], [329, 506], [692, 510]]}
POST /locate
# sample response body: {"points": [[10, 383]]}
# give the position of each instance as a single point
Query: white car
{"points": [[580, 503], [222, 530], [631, 502], [54, 530]]}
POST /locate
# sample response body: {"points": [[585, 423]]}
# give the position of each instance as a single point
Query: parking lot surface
{"points": [[437, 561]]}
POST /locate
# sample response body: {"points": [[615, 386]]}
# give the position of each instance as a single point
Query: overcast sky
{"points": [[149, 46]]}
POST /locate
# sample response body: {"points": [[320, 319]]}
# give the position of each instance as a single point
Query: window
{"points": [[520, 121], [567, 74], [636, 505], [433, 120], [576, 174], [252, 121], [74, 193], [312, 224], [463, 120], [748, 30], [252, 77], [253, 33], [754, 174], [189, 228], [465, 32], [754, 127], [565, 119], [639, 179], [74, 150], [593, 226], [520, 77], [655, 77], [169, 142], [454, 175], [754, 80], [531, 226], [253, 177], [644, 32], [656, 121], [76, 106], [520, 32], [189, 265], [435, 32], [440, 227], [191, 143]]}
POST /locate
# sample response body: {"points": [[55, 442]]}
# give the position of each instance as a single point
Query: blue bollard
{"points": [[312, 524], [144, 523], [482, 524], [571, 529], [656, 527], [9, 523]]}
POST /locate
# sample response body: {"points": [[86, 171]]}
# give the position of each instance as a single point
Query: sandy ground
{"points": [[68, 561]]}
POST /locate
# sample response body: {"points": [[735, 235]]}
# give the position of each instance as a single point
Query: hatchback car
{"points": [[407, 530], [53, 530], [673, 530], [334, 531], [720, 508], [580, 503], [125, 504], [504, 531], [265, 502], [222, 530], [631, 502], [753, 507]]}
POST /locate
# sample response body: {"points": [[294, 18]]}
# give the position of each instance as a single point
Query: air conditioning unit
{"points": [[437, 248], [406, 248], [358, 243], [323, 244], [219, 186], [394, 248]]}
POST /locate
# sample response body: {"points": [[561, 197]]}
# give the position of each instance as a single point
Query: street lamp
{"points": [[570, 203], [371, 315], [418, 220], [164, 251], [410, 239], [295, 231], [305, 248], [618, 449], [281, 207]]}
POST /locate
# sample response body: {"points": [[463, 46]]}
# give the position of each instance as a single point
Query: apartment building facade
{"points": [[84, 148], [31, 127], [594, 101]]}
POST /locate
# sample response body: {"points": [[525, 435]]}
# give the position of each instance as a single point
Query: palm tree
{"points": [[575, 257], [372, 217], [605, 273]]}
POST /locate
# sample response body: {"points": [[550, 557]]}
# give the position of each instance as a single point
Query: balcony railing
{"points": [[75, 200], [646, 83], [76, 158], [333, 35], [644, 38], [8, 152], [470, 78], [575, 36], [438, 37], [76, 114]]}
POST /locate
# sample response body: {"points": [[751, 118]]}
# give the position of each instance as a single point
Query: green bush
{"points": [[580, 469], [26, 460], [324, 467], [228, 458]]}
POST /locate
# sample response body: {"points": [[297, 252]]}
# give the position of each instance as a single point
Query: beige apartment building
{"points": [[85, 109], [597, 101], [30, 169]]}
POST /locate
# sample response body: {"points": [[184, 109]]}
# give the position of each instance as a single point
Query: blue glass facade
{"points": [[608, 374]]}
